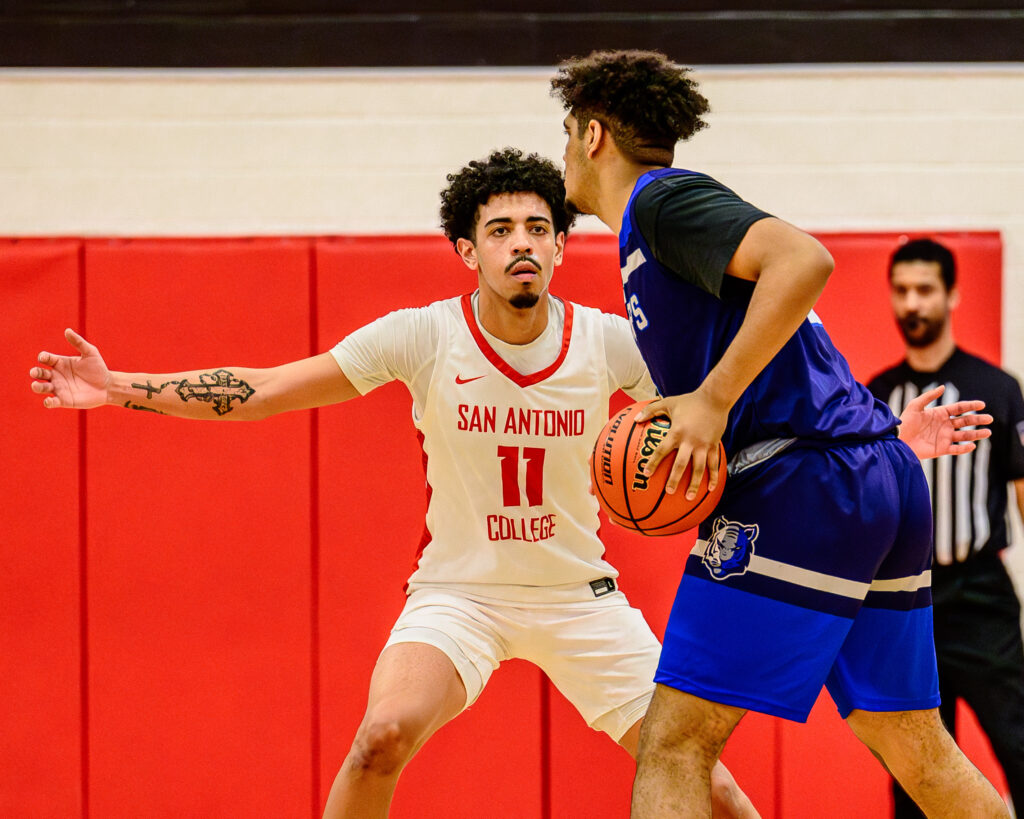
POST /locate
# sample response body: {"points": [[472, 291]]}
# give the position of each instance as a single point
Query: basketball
{"points": [[635, 501]]}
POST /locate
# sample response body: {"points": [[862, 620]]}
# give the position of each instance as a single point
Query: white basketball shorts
{"points": [[599, 653]]}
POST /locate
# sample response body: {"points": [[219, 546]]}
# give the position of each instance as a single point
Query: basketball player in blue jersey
{"points": [[826, 513], [510, 564]]}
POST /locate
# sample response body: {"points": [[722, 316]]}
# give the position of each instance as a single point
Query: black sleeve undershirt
{"points": [[694, 224]]}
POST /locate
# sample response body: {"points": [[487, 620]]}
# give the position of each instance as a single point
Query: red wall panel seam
{"points": [[314, 547], [545, 747], [83, 559], [777, 735]]}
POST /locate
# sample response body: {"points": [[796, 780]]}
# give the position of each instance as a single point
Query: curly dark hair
{"points": [[647, 102], [506, 171]]}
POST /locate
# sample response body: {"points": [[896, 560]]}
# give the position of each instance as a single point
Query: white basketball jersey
{"points": [[506, 459], [506, 453]]}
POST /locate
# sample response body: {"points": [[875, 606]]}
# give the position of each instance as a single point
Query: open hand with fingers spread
{"points": [[945, 429], [697, 428], [73, 382]]}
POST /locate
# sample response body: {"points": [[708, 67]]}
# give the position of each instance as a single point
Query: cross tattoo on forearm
{"points": [[217, 388], [150, 389]]}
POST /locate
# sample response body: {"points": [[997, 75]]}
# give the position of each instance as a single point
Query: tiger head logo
{"points": [[729, 548]]}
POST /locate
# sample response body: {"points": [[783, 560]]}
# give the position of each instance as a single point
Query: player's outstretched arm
{"points": [[84, 381], [945, 429]]}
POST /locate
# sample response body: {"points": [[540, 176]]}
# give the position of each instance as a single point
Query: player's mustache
{"points": [[523, 258]]}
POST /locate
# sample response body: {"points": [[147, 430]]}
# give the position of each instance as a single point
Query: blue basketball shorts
{"points": [[814, 570]]}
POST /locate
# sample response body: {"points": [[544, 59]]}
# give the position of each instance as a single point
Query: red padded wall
{"points": [[217, 595], [198, 541], [40, 721]]}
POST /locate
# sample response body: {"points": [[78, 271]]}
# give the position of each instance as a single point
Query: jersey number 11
{"points": [[534, 457]]}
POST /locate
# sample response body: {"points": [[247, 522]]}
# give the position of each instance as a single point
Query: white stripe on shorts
{"points": [[910, 583], [818, 581]]}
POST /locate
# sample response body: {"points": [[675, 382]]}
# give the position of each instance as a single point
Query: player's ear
{"points": [[559, 247], [954, 297], [594, 137], [467, 250]]}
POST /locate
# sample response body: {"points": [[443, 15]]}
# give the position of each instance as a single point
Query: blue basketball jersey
{"points": [[679, 232]]}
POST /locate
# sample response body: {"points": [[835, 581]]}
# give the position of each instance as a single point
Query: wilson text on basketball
{"points": [[653, 435]]}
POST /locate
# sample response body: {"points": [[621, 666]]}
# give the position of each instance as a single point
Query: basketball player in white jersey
{"points": [[510, 387]]}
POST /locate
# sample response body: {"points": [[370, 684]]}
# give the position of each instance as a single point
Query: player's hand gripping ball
{"points": [[635, 501]]}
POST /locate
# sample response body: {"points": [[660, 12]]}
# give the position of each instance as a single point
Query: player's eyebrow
{"points": [[506, 220]]}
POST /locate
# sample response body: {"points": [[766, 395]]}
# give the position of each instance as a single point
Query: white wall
{"points": [[339, 151]]}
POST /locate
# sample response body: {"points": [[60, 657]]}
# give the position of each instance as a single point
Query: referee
{"points": [[976, 611]]}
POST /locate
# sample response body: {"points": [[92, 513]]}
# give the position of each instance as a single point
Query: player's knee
{"points": [[682, 725], [902, 738], [381, 747], [659, 742]]}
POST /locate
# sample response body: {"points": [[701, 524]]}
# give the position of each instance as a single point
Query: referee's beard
{"points": [[920, 331]]}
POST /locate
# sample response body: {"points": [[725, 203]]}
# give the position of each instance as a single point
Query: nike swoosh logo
{"points": [[461, 380]]}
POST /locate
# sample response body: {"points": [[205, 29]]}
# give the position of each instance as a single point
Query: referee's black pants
{"points": [[981, 661]]}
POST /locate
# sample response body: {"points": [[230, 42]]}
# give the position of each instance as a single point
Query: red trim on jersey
{"points": [[504, 367], [426, 537]]}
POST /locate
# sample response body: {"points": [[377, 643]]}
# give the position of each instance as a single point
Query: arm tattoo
{"points": [[130, 405], [150, 389], [217, 388]]}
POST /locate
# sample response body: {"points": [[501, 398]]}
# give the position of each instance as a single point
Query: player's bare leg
{"points": [[414, 690], [728, 801], [919, 752], [680, 742]]}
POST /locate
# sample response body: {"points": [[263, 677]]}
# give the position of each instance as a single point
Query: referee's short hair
{"points": [[927, 250]]}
